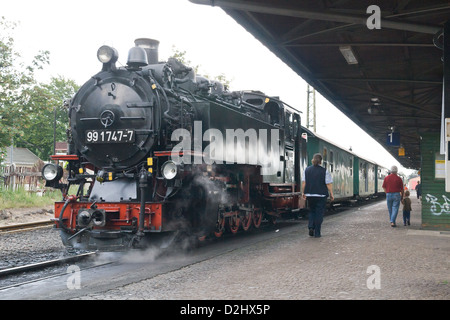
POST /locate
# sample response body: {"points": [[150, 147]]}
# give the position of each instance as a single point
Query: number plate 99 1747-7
{"points": [[110, 136]]}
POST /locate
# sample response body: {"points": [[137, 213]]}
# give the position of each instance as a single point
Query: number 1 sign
{"points": [[393, 139]]}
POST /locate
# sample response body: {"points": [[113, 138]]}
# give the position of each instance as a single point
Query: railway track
{"points": [[25, 226], [45, 270], [45, 264]]}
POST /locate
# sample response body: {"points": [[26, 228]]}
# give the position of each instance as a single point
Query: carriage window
{"points": [[331, 161], [351, 166], [325, 158]]}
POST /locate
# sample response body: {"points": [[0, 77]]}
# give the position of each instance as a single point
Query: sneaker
{"points": [[311, 232]]}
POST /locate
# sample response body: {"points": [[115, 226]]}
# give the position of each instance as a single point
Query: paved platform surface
{"points": [[359, 256]]}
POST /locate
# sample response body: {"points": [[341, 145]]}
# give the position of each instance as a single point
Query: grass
{"points": [[24, 199]]}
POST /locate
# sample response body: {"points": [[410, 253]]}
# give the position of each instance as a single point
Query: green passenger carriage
{"points": [[354, 177]]}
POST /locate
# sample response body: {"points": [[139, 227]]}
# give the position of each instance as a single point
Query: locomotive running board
{"points": [[64, 157], [269, 194]]}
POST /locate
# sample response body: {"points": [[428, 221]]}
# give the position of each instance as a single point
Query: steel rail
{"points": [[44, 264], [25, 226]]}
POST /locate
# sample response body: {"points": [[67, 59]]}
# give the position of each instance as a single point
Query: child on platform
{"points": [[406, 201]]}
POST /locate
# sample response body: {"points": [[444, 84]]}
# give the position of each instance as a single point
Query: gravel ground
{"points": [[25, 215], [20, 248], [358, 257]]}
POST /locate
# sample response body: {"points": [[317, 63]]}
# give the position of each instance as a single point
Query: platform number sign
{"points": [[393, 139]]}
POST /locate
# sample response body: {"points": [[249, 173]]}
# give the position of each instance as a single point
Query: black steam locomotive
{"points": [[156, 149]]}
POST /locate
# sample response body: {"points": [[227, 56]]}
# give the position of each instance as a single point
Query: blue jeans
{"points": [[406, 217], [393, 203], [316, 210]]}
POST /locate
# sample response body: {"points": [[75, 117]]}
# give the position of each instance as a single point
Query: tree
{"points": [[45, 106], [28, 108], [181, 56], [16, 82]]}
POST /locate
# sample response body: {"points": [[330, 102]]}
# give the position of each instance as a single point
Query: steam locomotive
{"points": [[157, 150]]}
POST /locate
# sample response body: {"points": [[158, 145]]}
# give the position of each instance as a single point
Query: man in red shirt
{"points": [[393, 186]]}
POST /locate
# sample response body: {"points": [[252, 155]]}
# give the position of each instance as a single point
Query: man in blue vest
{"points": [[317, 185]]}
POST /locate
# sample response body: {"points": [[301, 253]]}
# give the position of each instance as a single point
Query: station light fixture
{"points": [[348, 54], [374, 106]]}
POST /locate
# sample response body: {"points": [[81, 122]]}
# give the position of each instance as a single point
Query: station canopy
{"points": [[386, 77]]}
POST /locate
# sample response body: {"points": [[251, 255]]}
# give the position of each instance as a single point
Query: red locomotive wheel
{"points": [[246, 219], [233, 223], [257, 218], [220, 228]]}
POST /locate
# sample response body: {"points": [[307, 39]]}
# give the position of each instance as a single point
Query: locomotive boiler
{"points": [[155, 149]]}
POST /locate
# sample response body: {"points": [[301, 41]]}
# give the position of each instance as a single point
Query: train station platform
{"points": [[359, 257]]}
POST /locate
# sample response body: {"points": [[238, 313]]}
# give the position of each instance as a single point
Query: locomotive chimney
{"points": [[151, 48]]}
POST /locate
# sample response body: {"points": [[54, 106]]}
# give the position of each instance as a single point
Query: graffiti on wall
{"points": [[437, 208]]}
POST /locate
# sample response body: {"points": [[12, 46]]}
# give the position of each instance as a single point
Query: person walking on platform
{"points": [[317, 185], [406, 201], [393, 186], [418, 190]]}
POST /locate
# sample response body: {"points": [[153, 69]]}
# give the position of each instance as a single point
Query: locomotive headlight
{"points": [[169, 170], [107, 54], [52, 172]]}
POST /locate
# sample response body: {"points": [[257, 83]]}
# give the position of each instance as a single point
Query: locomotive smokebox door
{"points": [[113, 119]]}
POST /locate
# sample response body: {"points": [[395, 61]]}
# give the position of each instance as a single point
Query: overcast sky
{"points": [[73, 31]]}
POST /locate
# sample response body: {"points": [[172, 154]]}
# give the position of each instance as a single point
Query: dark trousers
{"points": [[406, 216], [316, 210]]}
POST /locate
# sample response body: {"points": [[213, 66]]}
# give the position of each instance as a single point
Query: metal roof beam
{"points": [[316, 15], [361, 44], [388, 97], [418, 81]]}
